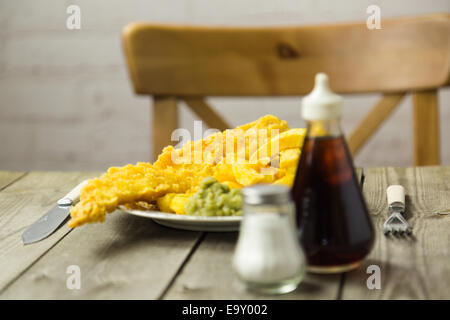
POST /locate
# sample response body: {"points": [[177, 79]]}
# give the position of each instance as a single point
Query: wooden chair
{"points": [[408, 55]]}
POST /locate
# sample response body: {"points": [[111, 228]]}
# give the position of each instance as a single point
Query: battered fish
{"points": [[182, 170]]}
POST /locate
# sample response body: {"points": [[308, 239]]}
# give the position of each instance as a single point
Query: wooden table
{"points": [[129, 257]]}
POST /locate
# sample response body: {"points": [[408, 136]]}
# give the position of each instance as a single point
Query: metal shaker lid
{"points": [[266, 194]]}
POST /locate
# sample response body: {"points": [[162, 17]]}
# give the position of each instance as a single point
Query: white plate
{"points": [[192, 223]]}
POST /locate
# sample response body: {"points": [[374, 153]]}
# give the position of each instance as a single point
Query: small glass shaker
{"points": [[268, 258]]}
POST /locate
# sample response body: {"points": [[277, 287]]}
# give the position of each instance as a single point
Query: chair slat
{"points": [[206, 113], [372, 121], [406, 54]]}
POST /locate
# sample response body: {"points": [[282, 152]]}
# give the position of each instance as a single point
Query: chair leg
{"points": [[426, 128], [165, 121]]}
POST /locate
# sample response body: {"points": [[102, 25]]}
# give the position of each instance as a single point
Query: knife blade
{"points": [[48, 223]]}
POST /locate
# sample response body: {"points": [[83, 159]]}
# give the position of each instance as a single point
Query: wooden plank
{"points": [[426, 128], [412, 268], [165, 121], [206, 113], [372, 121], [126, 257], [411, 53], [208, 274], [8, 177], [21, 204]]}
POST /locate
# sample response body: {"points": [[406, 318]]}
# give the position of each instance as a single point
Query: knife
{"points": [[49, 222]]}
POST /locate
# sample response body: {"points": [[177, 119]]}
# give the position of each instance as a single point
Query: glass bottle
{"points": [[268, 257], [335, 229]]}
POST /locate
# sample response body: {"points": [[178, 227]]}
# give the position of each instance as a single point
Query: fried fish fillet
{"points": [[132, 183], [181, 170]]}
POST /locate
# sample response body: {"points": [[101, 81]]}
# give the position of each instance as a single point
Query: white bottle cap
{"points": [[322, 103]]}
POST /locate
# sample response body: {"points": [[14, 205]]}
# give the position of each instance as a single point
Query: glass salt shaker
{"points": [[268, 258]]}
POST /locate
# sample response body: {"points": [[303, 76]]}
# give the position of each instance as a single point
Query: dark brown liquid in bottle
{"points": [[335, 229]]}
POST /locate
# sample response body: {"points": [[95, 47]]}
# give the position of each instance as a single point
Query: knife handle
{"points": [[73, 196], [395, 194]]}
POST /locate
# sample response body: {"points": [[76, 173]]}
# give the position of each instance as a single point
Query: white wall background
{"points": [[66, 102]]}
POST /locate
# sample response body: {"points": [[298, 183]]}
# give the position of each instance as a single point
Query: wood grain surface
{"points": [[426, 130], [165, 121], [206, 113], [126, 257], [21, 204], [209, 275], [7, 178], [414, 267], [218, 281], [129, 257], [184, 60]]}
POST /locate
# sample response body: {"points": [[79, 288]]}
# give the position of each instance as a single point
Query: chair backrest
{"points": [[406, 54], [190, 62]]}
